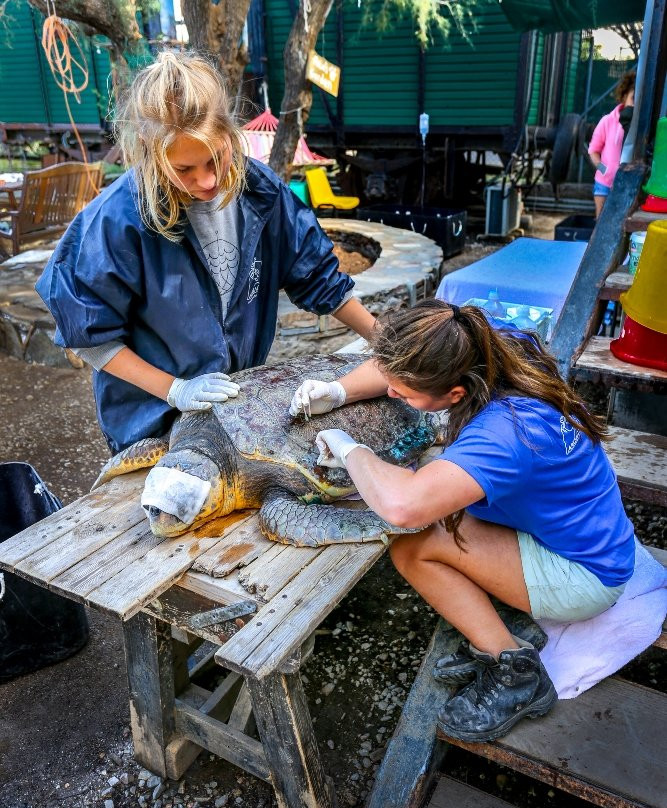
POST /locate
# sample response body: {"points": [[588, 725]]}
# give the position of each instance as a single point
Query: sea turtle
{"points": [[255, 455]]}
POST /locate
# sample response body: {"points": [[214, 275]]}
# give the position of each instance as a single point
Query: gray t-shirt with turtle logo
{"points": [[217, 232]]}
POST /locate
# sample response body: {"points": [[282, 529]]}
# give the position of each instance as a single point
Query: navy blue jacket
{"points": [[111, 278]]}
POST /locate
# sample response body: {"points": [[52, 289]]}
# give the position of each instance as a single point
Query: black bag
{"points": [[37, 628]]}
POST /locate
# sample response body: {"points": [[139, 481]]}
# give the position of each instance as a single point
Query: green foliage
{"points": [[586, 49], [430, 16]]}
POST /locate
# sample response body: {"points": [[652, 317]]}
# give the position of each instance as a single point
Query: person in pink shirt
{"points": [[607, 141]]}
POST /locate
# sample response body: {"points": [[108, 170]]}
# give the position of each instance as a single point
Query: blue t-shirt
{"points": [[541, 476]]}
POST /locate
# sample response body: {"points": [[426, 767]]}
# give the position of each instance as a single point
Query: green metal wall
{"points": [[28, 92], [468, 83]]}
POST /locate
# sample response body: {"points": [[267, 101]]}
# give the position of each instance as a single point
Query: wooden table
{"points": [[99, 551]]}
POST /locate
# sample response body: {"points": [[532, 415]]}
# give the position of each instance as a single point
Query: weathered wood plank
{"points": [[289, 742], [90, 507], [240, 544], [242, 717], [275, 568], [615, 284], [181, 750], [295, 612], [247, 577], [148, 652], [223, 590], [92, 571], [135, 586], [598, 364], [640, 220], [602, 746], [414, 754], [222, 740], [177, 605], [640, 462], [450, 793], [75, 546]]}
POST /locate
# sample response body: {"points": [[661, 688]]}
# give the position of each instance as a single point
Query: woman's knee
{"points": [[402, 552], [410, 549]]}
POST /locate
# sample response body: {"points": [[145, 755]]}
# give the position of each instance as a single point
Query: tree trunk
{"points": [[217, 30], [112, 19], [297, 98], [228, 19], [197, 20]]}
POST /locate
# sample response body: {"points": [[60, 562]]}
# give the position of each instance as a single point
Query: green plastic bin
{"points": [[300, 188]]}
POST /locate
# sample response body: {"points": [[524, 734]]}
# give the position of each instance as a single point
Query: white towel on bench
{"points": [[579, 655]]}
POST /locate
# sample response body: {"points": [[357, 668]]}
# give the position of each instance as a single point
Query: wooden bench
{"points": [[615, 284], [50, 199], [596, 363], [99, 551], [604, 746]]}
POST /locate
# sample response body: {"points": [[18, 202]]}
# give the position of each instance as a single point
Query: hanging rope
{"points": [[59, 43]]}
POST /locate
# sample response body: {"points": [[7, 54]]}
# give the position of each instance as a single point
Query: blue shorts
{"points": [[600, 190], [560, 589]]}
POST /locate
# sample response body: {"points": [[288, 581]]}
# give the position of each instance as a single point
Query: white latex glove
{"points": [[200, 393], [315, 397], [335, 445]]}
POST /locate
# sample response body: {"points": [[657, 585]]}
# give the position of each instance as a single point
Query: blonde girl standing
{"points": [[169, 279]]}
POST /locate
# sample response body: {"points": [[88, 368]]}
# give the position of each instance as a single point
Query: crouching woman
{"points": [[522, 503]]}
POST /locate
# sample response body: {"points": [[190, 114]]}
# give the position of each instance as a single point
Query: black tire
{"points": [[567, 143]]}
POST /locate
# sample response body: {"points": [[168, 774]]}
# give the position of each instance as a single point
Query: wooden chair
{"points": [[321, 195], [50, 199]]}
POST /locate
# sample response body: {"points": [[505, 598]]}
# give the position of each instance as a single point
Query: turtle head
{"points": [[190, 485]]}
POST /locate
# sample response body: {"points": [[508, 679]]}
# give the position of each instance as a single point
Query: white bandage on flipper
{"points": [[175, 492]]}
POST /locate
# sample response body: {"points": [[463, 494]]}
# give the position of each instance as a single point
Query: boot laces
{"points": [[488, 686]]}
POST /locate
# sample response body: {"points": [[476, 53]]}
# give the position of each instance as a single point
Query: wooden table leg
{"points": [[150, 671], [289, 742]]}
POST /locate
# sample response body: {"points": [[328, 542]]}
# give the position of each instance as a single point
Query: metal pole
{"points": [[628, 151]]}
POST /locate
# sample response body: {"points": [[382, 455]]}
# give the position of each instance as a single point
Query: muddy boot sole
{"points": [[456, 675]]}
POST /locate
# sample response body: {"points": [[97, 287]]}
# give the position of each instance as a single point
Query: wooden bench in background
{"points": [[50, 199]]}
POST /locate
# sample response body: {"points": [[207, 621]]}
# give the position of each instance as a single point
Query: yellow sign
{"points": [[323, 73]]}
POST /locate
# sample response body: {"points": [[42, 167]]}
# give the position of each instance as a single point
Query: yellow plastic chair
{"points": [[321, 195]]}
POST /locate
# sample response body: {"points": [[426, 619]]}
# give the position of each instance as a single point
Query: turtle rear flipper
{"points": [[141, 455], [286, 519]]}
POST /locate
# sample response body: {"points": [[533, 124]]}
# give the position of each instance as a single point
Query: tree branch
{"points": [[111, 19]]}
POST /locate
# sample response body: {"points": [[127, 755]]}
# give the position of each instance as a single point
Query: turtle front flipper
{"points": [[286, 519], [141, 455]]}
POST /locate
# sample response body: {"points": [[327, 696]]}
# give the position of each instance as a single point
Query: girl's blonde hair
{"points": [[179, 94]]}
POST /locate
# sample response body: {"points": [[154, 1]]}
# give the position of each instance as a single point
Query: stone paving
{"points": [[407, 267]]}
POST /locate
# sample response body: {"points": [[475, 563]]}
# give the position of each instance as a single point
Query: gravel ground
{"points": [[64, 730]]}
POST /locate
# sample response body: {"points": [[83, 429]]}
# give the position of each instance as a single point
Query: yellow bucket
{"points": [[646, 300]]}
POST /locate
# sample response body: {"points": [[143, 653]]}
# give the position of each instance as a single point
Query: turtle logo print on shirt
{"points": [[253, 279], [570, 435], [223, 263]]}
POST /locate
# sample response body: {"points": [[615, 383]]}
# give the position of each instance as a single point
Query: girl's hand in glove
{"points": [[314, 397], [200, 393], [335, 445]]}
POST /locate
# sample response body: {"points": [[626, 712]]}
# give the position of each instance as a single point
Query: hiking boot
{"points": [[514, 687], [461, 666]]}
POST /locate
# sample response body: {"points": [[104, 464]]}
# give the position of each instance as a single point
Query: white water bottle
{"points": [[493, 305]]}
